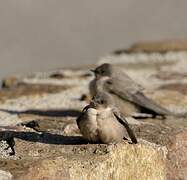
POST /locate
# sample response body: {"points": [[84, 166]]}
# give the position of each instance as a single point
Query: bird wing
{"points": [[80, 117], [131, 92], [140, 99], [128, 83], [124, 122], [123, 87]]}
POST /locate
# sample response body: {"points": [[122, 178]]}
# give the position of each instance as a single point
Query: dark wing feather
{"points": [[124, 122], [79, 119], [81, 115]]}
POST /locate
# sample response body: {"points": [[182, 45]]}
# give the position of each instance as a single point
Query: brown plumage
{"points": [[100, 122]]}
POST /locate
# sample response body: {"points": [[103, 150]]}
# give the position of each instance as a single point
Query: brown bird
{"points": [[100, 122], [127, 94]]}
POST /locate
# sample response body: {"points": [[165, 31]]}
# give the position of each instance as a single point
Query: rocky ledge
{"points": [[53, 100]]}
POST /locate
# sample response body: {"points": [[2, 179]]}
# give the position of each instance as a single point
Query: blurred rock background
{"points": [[42, 35]]}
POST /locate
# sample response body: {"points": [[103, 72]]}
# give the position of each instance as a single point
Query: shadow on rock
{"points": [[50, 113], [48, 138]]}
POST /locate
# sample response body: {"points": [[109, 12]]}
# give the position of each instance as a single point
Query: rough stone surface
{"points": [[101, 162], [160, 46], [55, 149], [4, 175]]}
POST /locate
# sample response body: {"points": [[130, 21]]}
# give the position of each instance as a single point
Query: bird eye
{"points": [[102, 71], [102, 102]]}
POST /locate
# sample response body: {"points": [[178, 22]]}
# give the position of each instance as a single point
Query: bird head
{"points": [[103, 70], [101, 100]]}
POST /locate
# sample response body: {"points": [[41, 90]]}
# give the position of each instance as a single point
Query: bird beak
{"points": [[92, 70]]}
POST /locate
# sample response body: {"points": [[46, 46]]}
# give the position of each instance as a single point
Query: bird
{"points": [[127, 94], [101, 122]]}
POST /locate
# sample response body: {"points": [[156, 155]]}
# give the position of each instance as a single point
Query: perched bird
{"points": [[128, 95], [100, 122]]}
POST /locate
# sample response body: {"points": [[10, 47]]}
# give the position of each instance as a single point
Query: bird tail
{"points": [[147, 103]]}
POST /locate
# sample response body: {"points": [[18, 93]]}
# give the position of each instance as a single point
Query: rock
{"points": [[52, 169], [57, 75], [71, 129], [159, 46], [103, 161], [84, 97], [176, 87], [177, 157], [10, 82], [171, 135], [4, 175]]}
